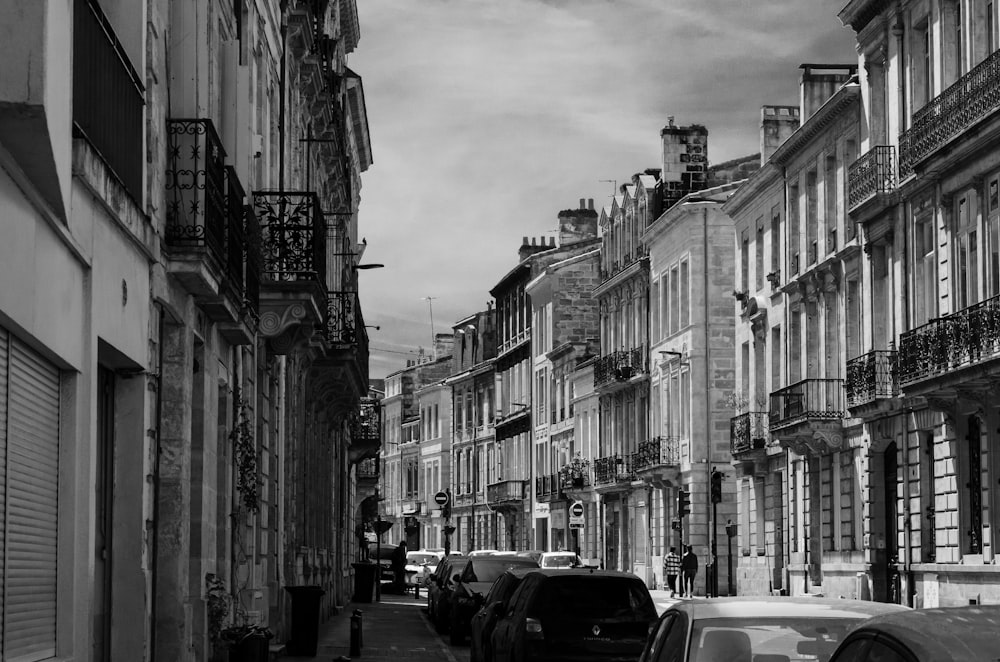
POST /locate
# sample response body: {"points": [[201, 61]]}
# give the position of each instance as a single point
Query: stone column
{"points": [[173, 531]]}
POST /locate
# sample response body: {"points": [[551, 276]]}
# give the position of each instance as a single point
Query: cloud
{"points": [[489, 116]]}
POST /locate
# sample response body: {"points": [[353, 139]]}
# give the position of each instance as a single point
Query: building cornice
{"points": [[859, 13], [767, 176], [842, 99]]}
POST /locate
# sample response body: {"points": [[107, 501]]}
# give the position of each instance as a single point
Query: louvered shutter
{"points": [[32, 506], [3, 471]]}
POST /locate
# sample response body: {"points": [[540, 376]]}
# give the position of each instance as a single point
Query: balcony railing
{"points": [[947, 343], [547, 485], [108, 96], [341, 324], [367, 426], [506, 491], [196, 187], [614, 469], [873, 173], [621, 366], [293, 235], [809, 399], [575, 475], [658, 451], [748, 431], [368, 468], [871, 376], [971, 98]]}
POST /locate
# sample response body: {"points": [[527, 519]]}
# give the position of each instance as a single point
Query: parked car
{"points": [[533, 554], [439, 590], [560, 560], [420, 565], [494, 606], [574, 615], [383, 556], [483, 552], [475, 581], [755, 629], [948, 634]]}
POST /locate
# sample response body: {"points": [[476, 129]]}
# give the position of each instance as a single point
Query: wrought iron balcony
{"points": [[748, 432], [614, 469], [658, 451], [807, 400], [368, 469], [251, 235], [872, 174], [367, 425], [506, 492], [965, 338], [621, 366], [293, 236], [341, 318], [547, 487], [871, 376], [973, 97], [575, 475], [108, 96], [196, 202]]}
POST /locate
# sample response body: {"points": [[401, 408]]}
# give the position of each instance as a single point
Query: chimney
{"points": [[530, 248], [776, 124], [819, 82], [685, 160], [577, 225]]}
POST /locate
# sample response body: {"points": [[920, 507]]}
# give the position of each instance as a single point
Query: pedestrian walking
{"points": [[399, 567], [689, 568], [672, 569]]}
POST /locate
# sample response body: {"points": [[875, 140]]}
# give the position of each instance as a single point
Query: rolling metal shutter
{"points": [[3, 474], [31, 504]]}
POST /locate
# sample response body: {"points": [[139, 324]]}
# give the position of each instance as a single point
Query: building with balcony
{"points": [[691, 331], [509, 489], [473, 449], [172, 351], [923, 379], [801, 458], [416, 442], [565, 332]]}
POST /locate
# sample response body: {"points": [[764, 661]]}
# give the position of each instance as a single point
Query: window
{"points": [[993, 235], [812, 216], [685, 304], [793, 229], [925, 272], [674, 300], [921, 64], [758, 268], [745, 260], [830, 220], [775, 239], [967, 254], [665, 304]]}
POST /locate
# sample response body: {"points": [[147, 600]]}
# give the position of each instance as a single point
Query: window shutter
{"points": [[32, 506], [3, 471]]}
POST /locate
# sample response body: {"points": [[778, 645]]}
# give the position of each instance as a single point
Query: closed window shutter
{"points": [[32, 506], [3, 471]]}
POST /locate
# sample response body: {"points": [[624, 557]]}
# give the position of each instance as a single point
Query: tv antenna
{"points": [[430, 309], [614, 184]]}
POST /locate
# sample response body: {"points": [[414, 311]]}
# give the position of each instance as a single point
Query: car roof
{"points": [[784, 606], [945, 633], [583, 572]]}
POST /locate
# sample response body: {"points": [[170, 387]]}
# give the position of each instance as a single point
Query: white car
{"points": [[421, 564], [560, 560]]}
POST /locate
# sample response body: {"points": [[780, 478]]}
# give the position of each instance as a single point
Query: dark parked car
{"points": [[475, 581], [575, 615], [948, 634], [383, 555], [757, 629], [439, 590], [494, 606]]}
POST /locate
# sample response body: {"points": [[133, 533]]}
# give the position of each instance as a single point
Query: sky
{"points": [[488, 117]]}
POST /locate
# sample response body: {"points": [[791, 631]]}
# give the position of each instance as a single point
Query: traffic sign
{"points": [[576, 510], [576, 525], [441, 498]]}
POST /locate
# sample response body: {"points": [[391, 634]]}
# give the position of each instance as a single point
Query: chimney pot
{"points": [[581, 204], [590, 203], [670, 120]]}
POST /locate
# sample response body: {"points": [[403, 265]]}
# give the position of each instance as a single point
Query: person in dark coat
{"points": [[689, 568], [399, 567]]}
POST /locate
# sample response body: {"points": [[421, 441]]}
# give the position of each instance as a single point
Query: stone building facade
{"points": [[182, 370]]}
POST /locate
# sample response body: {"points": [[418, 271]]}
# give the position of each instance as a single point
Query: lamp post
{"points": [[730, 533]]}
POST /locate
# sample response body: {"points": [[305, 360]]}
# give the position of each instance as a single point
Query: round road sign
{"points": [[441, 498], [576, 510]]}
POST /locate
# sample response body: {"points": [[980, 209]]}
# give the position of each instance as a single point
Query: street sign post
{"points": [[576, 515]]}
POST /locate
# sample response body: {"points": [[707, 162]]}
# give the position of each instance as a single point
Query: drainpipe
{"points": [[708, 403], [281, 101]]}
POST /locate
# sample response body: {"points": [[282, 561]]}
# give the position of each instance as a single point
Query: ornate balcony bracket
{"points": [[814, 438]]}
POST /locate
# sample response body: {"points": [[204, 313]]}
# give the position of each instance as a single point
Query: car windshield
{"points": [[489, 568], [559, 561], [416, 558], [745, 639]]}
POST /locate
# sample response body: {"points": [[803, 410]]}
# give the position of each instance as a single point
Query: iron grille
{"points": [[341, 328], [807, 399], [871, 376], [947, 343], [748, 431], [196, 186], [873, 173], [293, 235], [658, 451]]}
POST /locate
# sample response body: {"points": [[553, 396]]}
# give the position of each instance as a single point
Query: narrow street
{"points": [[397, 628]]}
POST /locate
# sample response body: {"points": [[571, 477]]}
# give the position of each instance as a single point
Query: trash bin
{"points": [[364, 582], [305, 620], [249, 644]]}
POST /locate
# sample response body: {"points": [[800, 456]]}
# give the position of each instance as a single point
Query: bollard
{"points": [[357, 634], [416, 590]]}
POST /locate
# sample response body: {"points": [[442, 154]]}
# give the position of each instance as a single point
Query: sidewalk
{"points": [[395, 628]]}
